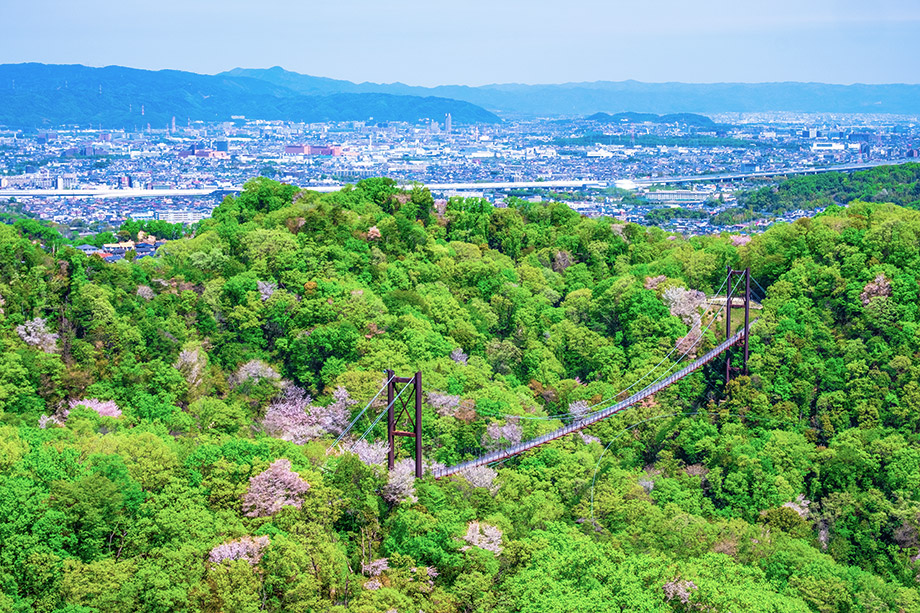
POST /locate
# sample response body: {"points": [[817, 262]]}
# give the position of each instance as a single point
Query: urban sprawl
{"points": [[91, 180]]}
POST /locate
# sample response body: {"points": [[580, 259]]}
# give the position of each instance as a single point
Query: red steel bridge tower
{"points": [[729, 300], [402, 412]]}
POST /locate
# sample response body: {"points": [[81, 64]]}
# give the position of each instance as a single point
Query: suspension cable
{"points": [[609, 398], [355, 420], [379, 417], [763, 291], [718, 291], [699, 338], [625, 430], [693, 346]]}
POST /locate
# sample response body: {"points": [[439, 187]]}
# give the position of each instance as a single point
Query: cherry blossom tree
{"points": [[192, 363], [246, 548], [685, 304], [373, 584], [372, 454], [254, 371], [292, 416], [401, 483], [679, 589], [274, 488], [879, 286], [458, 356], [579, 408], [266, 289], [50, 420], [105, 408], [498, 435], [375, 568], [739, 240], [35, 333], [654, 282], [481, 476], [338, 413], [483, 535], [288, 417], [145, 292], [444, 405]]}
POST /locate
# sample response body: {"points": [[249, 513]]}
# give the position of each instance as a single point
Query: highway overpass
{"points": [[458, 187], [761, 174]]}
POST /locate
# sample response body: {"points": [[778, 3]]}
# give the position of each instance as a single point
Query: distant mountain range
{"points": [[41, 95], [575, 99]]}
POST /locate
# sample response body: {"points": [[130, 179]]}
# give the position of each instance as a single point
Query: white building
{"points": [[827, 146], [182, 216]]}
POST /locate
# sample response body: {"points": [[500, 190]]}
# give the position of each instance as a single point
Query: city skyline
{"points": [[480, 43]]}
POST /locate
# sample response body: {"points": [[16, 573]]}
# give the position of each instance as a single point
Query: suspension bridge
{"points": [[404, 410]]}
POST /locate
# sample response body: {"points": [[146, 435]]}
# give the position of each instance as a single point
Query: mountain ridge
{"points": [[583, 98], [41, 95]]}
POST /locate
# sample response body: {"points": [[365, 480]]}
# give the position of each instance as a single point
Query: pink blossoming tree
{"points": [[105, 408], [401, 483], [246, 548], [498, 435], [276, 487], [292, 416], [483, 535], [35, 333]]}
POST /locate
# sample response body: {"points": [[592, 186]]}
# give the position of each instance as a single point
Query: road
{"points": [[735, 176], [448, 187]]}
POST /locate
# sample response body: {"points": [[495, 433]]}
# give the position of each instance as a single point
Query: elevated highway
{"points": [[763, 174], [458, 187]]}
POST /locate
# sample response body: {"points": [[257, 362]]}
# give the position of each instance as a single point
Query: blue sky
{"points": [[474, 42]]}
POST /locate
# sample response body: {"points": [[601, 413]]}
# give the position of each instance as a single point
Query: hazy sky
{"points": [[473, 42]]}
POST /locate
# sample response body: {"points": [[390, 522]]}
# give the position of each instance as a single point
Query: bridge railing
{"points": [[507, 452]]}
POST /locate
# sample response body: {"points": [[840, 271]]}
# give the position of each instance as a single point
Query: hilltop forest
{"points": [[167, 425]]}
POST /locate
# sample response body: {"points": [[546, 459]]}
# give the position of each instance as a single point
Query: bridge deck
{"points": [[584, 422]]}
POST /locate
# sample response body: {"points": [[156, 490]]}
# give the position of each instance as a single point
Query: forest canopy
{"points": [[167, 425]]}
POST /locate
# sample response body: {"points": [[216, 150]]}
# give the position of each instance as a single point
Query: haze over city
{"points": [[480, 42]]}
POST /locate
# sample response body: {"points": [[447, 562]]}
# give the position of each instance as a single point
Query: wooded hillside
{"points": [[165, 423]]}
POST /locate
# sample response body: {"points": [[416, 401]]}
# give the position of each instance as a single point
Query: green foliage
{"points": [[897, 184], [667, 214], [155, 227], [792, 489]]}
